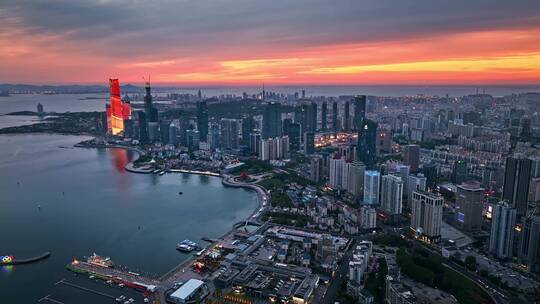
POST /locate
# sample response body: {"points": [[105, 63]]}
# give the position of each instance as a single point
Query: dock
{"points": [[27, 261], [129, 279], [64, 282]]}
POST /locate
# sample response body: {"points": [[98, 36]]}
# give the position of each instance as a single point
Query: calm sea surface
{"points": [[73, 202]]}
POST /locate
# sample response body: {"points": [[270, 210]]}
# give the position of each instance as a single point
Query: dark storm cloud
{"points": [[131, 27]]}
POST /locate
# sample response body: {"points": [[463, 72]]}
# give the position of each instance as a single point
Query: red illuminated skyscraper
{"points": [[117, 110]]}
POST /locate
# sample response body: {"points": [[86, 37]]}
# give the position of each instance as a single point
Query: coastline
{"points": [[226, 180]]}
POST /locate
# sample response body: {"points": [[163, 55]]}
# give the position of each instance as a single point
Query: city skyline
{"points": [[247, 43]]}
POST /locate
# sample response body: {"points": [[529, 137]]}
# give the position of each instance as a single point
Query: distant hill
{"points": [[63, 89]]}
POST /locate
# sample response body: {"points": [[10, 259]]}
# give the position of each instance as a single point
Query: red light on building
{"points": [[117, 111]]}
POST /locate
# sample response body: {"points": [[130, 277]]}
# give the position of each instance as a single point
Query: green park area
{"points": [[428, 269]]}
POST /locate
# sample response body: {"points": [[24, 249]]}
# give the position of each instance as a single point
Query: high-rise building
{"points": [[214, 136], [274, 148], [202, 120], [469, 206], [356, 179], [148, 106], [292, 130], [271, 120], [372, 182], [248, 124], [316, 168], [367, 138], [173, 131], [309, 143], [335, 113], [164, 132], [359, 111], [369, 217], [529, 245], [384, 140], [336, 171], [347, 117], [501, 238], [430, 172], [255, 143], [192, 138], [153, 131], [415, 183], [229, 133], [459, 172], [517, 179], [324, 117], [427, 211], [404, 171], [143, 127], [117, 110], [392, 194], [411, 156]]}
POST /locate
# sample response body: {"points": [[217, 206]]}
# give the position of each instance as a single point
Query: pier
{"points": [[129, 279], [48, 298], [27, 261]]}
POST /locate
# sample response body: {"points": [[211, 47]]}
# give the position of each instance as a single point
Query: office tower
{"points": [[356, 179], [347, 118], [213, 137], [309, 143], [229, 133], [255, 143], [316, 168], [248, 124], [469, 205], [312, 118], [164, 132], [459, 172], [336, 171], [359, 111], [392, 194], [193, 138], [415, 183], [384, 140], [202, 120], [517, 178], [529, 246], [372, 181], [366, 148], [501, 238], [143, 127], [271, 120], [335, 122], [153, 131], [173, 134], [40, 109], [324, 117], [427, 210], [345, 174], [117, 111], [411, 156]]}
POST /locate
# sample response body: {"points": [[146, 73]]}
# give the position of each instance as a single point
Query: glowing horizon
{"points": [[429, 48]]}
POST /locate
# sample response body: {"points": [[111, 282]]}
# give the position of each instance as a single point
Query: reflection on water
{"points": [[204, 179], [119, 159], [6, 269]]}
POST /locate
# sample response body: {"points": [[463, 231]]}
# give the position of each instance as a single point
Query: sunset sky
{"points": [[245, 42]]}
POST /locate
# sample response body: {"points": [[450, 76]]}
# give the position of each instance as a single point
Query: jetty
{"points": [[26, 261]]}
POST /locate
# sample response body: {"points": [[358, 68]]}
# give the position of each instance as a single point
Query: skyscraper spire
{"points": [[263, 93]]}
